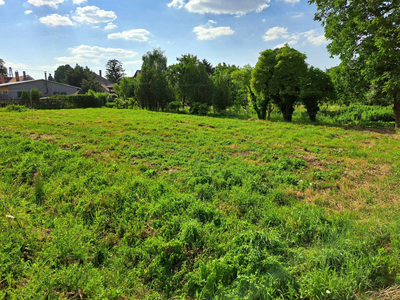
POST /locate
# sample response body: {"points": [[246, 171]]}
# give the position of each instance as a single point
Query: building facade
{"points": [[13, 91]]}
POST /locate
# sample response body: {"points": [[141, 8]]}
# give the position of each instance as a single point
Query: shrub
{"points": [[111, 105], [174, 106]]}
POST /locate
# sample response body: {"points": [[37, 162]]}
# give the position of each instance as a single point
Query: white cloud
{"points": [[110, 26], [27, 12], [292, 1], [208, 32], [79, 2], [177, 4], [93, 15], [311, 36], [2, 2], [297, 15], [138, 35], [314, 38], [56, 20], [275, 33], [84, 55], [233, 7], [51, 3], [15, 66]]}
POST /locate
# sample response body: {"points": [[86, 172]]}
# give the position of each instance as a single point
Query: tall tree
{"points": [[152, 90], [61, 74], [3, 69], [114, 70], [125, 88], [317, 87], [278, 77], [242, 79], [366, 32], [190, 79]]}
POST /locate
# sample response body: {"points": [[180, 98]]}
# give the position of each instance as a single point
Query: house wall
{"points": [[53, 88]]}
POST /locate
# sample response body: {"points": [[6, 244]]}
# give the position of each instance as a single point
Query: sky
{"points": [[40, 35]]}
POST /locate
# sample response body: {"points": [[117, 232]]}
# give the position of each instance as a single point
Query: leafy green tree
{"points": [[366, 32], [25, 98], [350, 85], [242, 79], [152, 90], [190, 80], [35, 96], [317, 87], [278, 76], [90, 83], [125, 88], [3, 69], [209, 67], [222, 97], [83, 78], [114, 70], [60, 74]]}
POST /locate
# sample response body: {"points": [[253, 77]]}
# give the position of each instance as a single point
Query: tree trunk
{"points": [[270, 109], [396, 110]]}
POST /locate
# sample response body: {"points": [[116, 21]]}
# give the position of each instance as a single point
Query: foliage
{"points": [[114, 70], [152, 90], [125, 88], [35, 96], [317, 88], [190, 81], [60, 74], [277, 77], [13, 107], [102, 98], [111, 104], [3, 69], [242, 78], [200, 109], [366, 33], [25, 98], [118, 204], [72, 101]]}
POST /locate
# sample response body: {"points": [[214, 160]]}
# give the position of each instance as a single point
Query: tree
{"points": [[189, 78], [51, 78], [209, 67], [278, 76], [3, 69], [125, 88], [114, 70], [152, 90], [242, 79], [25, 98], [366, 32], [35, 96], [60, 74], [317, 87]]}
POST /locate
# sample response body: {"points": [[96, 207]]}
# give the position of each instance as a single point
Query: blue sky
{"points": [[39, 35]]}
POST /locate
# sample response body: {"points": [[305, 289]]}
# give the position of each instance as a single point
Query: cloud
{"points": [[15, 66], [93, 15], [56, 20], [84, 54], [27, 12], [311, 36], [233, 7], [2, 2], [275, 33], [138, 35], [110, 26], [292, 1], [314, 38], [79, 2], [177, 4], [208, 32], [297, 15], [51, 3]]}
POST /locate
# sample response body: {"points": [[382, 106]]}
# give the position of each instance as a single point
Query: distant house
{"points": [[12, 90], [137, 74], [17, 78], [107, 85]]}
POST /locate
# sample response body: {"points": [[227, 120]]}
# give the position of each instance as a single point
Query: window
{"points": [[64, 94]]}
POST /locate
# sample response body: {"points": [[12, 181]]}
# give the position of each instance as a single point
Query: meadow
{"points": [[130, 204]]}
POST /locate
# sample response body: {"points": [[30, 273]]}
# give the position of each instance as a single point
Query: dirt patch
{"points": [[208, 126], [392, 293], [38, 137], [374, 130]]}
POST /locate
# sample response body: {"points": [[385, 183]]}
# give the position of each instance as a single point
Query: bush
{"points": [[199, 109], [14, 107], [356, 113], [111, 105], [174, 106], [71, 101]]}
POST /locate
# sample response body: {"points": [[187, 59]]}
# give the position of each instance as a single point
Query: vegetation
{"points": [[79, 77], [3, 69], [107, 204], [366, 34], [114, 70]]}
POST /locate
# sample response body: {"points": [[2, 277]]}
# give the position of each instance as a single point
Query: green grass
{"points": [[130, 204]]}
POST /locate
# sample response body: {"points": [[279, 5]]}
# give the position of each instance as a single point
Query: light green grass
{"points": [[130, 204]]}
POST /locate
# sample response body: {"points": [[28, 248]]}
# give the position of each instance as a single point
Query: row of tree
{"points": [[280, 79]]}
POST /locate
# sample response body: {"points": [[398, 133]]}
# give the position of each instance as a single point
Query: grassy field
{"points": [[130, 204]]}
